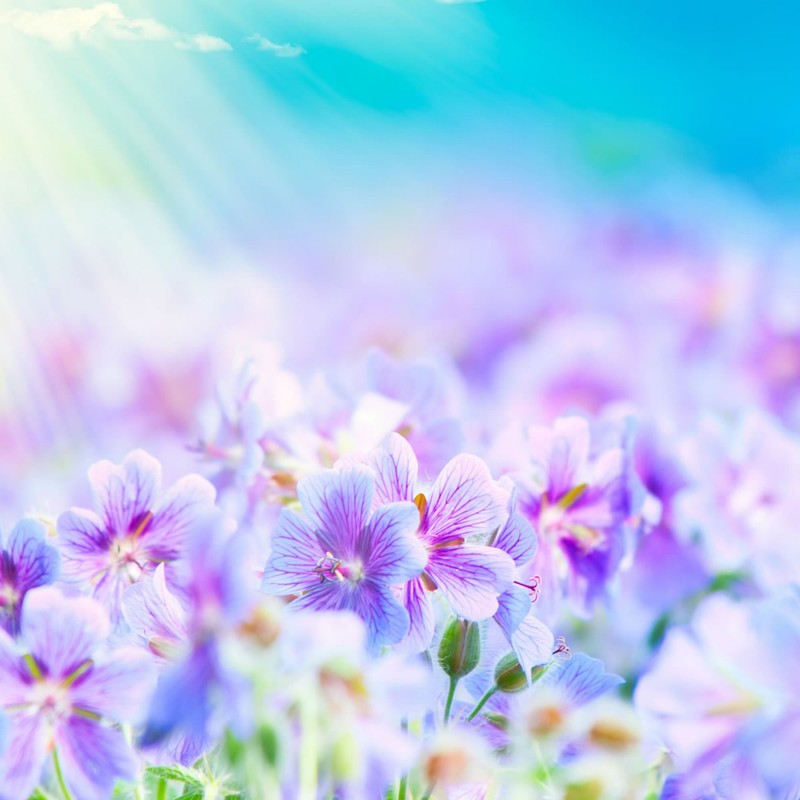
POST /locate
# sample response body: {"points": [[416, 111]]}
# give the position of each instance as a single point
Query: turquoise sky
{"points": [[345, 105]]}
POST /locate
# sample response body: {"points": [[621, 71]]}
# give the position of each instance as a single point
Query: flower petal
{"points": [[36, 561], [391, 551], [464, 501], [21, 767], [532, 642], [125, 493], [338, 503], [152, 610], [471, 577], [295, 554], [186, 502], [62, 632], [584, 678], [396, 466], [84, 542], [119, 689], [386, 620], [92, 757], [420, 613], [518, 539]]}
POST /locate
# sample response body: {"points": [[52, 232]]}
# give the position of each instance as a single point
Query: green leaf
{"points": [[192, 794], [178, 773]]}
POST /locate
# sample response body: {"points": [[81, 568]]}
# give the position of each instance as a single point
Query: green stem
{"points": [[401, 792], [481, 703], [428, 792], [60, 777], [451, 692], [161, 789]]}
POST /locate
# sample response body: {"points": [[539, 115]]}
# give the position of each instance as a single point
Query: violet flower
{"points": [[579, 505], [464, 505], [136, 529], [59, 688], [27, 562], [342, 555]]}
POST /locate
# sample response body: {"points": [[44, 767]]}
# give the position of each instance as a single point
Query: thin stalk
{"points": [[60, 777], [451, 692], [481, 703], [161, 789]]}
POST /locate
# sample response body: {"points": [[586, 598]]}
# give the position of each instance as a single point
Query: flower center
{"points": [[330, 568], [124, 559]]}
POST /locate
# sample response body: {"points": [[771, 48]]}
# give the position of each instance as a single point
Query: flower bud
{"points": [[509, 676], [460, 648]]}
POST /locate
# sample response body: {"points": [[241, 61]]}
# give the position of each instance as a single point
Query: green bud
{"points": [[234, 749], [460, 648], [509, 676]]}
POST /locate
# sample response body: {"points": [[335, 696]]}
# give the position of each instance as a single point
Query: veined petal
{"points": [[295, 554], [152, 610], [15, 677], [517, 538], [471, 577], [391, 551], [338, 503], [81, 534], [513, 606], [584, 678], [464, 501], [396, 467], [564, 450], [386, 620], [532, 642], [36, 561], [92, 757], [126, 492], [420, 613], [61, 632], [605, 501], [185, 502], [21, 766], [119, 689]]}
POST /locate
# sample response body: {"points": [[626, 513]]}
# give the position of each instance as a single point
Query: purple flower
{"points": [[723, 696], [27, 562], [578, 505], [342, 555], [137, 527], [464, 504], [58, 685], [196, 689]]}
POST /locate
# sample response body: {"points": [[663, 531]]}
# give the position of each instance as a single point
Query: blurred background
{"points": [[511, 185]]}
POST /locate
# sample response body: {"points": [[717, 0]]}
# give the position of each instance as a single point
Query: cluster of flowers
{"points": [[347, 605]]}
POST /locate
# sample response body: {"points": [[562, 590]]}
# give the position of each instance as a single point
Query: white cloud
{"points": [[279, 50], [66, 27], [202, 42]]}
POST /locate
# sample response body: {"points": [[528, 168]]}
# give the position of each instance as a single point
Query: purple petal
{"points": [[604, 503], [21, 767], [338, 503], [584, 678], [532, 642], [15, 676], [83, 539], [36, 561], [118, 690], [512, 607], [464, 501], [565, 451], [518, 539], [471, 577], [392, 552], [126, 493], [62, 632], [295, 554], [92, 757], [152, 610], [190, 498], [420, 613], [396, 467], [386, 620]]}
